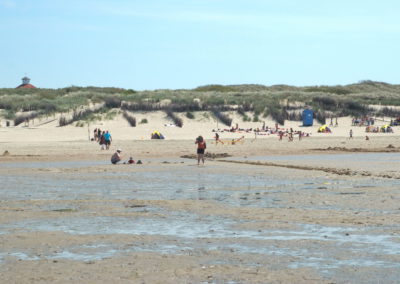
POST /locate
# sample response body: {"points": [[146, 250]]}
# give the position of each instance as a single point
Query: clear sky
{"points": [[157, 44]]}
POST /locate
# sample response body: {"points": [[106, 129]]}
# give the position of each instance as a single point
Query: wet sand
{"points": [[271, 213]]}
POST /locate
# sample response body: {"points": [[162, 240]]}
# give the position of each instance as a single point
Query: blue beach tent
{"points": [[308, 117]]}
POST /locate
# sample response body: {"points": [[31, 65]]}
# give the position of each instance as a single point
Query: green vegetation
{"points": [[177, 120], [246, 118], [222, 117], [206, 115], [281, 102], [131, 120], [110, 115], [215, 88], [190, 115], [65, 210]]}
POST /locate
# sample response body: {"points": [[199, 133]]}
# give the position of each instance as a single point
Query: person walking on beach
{"points": [[201, 147], [116, 157], [108, 139], [217, 140], [280, 135], [102, 141], [351, 134]]}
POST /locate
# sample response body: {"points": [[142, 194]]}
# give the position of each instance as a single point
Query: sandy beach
{"points": [[321, 210], [199, 142]]}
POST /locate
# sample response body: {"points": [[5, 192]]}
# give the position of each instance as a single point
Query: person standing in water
{"points": [[201, 147]]}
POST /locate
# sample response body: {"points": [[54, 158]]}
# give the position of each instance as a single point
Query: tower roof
{"points": [[25, 84]]}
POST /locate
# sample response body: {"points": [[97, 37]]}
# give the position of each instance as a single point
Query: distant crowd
{"points": [[363, 121], [264, 130], [377, 129]]}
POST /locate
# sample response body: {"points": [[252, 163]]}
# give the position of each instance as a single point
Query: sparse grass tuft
{"points": [[131, 120], [222, 117], [190, 115], [177, 120]]}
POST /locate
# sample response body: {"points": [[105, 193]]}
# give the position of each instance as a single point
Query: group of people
{"points": [[395, 122], [103, 137], [363, 121], [201, 147], [264, 130], [377, 129], [290, 133], [117, 158]]}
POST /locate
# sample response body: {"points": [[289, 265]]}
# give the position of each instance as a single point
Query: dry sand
{"points": [[336, 222], [47, 130]]}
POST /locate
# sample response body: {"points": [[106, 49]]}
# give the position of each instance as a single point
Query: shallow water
{"points": [[185, 232], [359, 157], [361, 161], [151, 182], [55, 164], [66, 187]]}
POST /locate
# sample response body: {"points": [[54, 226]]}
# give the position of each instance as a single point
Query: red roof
{"points": [[26, 86]]}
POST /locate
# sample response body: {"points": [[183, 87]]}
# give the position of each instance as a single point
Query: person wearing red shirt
{"points": [[201, 147]]}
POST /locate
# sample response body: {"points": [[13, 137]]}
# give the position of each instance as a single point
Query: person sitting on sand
{"points": [[131, 161], [116, 157], [201, 147]]}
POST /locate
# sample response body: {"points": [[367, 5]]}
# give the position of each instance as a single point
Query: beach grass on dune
{"points": [[281, 102]]}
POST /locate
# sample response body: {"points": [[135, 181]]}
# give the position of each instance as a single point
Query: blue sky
{"points": [[154, 44]]}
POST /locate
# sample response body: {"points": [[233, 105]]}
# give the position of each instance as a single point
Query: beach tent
{"points": [[385, 128], [308, 117], [157, 135], [324, 128]]}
